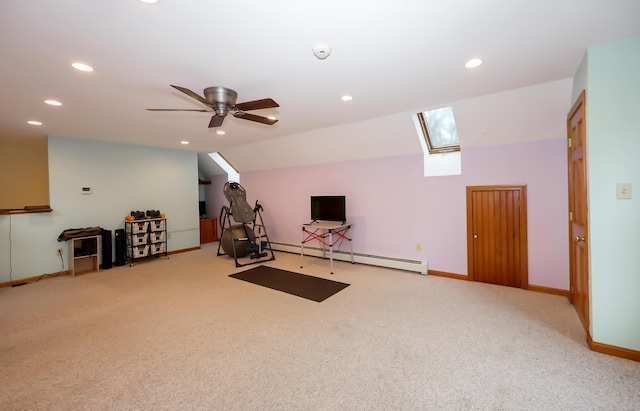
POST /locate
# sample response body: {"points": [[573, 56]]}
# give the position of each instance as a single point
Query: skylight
{"points": [[232, 173], [439, 130]]}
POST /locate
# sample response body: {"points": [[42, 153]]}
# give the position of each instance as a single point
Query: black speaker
{"points": [[121, 247], [107, 250]]}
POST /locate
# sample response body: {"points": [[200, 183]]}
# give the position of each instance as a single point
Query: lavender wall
{"points": [[393, 206], [214, 195]]}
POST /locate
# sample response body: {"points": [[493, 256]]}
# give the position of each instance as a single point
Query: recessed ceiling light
{"points": [[221, 132], [34, 123], [149, 1], [185, 142], [82, 67], [53, 102], [473, 63], [346, 98]]}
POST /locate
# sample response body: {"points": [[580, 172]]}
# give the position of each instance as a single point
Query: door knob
{"points": [[578, 239]]}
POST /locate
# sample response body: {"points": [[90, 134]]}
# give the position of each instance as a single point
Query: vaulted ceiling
{"points": [[391, 56]]}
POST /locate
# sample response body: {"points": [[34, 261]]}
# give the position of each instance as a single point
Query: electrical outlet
{"points": [[623, 190], [59, 252], [168, 236]]}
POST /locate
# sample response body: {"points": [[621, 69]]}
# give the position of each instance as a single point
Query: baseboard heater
{"points": [[338, 255]]}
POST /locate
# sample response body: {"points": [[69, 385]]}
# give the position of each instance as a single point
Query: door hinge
{"points": [[570, 216], [569, 142]]}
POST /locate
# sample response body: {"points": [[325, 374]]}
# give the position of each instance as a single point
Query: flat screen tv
{"points": [[328, 208]]}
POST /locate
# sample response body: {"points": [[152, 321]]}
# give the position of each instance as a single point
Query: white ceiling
{"points": [[392, 56]]}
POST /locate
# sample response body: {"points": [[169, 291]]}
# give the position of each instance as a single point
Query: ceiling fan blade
{"points": [[191, 94], [253, 117], [257, 104], [177, 109], [216, 121]]}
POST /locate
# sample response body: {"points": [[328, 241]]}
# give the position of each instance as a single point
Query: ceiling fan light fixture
{"points": [[222, 101], [221, 96], [221, 110]]}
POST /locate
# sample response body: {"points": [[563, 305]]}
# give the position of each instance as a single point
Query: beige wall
{"points": [[24, 171]]}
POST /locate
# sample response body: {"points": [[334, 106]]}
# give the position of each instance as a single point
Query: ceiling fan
{"points": [[222, 101]]}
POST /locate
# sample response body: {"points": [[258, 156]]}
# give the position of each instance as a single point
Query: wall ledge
{"points": [[26, 211]]}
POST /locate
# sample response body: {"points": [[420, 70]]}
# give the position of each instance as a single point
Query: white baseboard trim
{"points": [[339, 255]]}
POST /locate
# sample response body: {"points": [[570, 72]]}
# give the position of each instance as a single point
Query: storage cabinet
{"points": [[146, 238], [84, 255], [208, 230]]}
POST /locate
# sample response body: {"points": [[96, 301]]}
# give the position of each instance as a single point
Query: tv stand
{"points": [[324, 232], [84, 255]]}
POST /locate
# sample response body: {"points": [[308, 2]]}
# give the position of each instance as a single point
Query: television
{"points": [[328, 208]]}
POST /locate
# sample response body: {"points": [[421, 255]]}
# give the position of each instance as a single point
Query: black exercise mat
{"points": [[305, 286]]}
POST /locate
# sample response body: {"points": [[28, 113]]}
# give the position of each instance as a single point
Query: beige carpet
{"points": [[179, 334]]}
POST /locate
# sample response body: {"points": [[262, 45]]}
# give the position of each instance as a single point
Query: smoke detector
{"points": [[321, 51]]}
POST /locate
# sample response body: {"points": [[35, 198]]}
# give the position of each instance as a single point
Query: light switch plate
{"points": [[623, 190]]}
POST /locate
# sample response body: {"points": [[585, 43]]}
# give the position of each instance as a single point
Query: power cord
{"points": [[54, 274], [11, 265], [10, 255]]}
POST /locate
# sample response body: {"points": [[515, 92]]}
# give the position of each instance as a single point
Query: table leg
{"points": [[351, 248], [302, 248], [331, 249]]}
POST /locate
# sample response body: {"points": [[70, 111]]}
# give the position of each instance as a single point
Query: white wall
{"points": [[123, 178], [613, 145], [515, 116]]}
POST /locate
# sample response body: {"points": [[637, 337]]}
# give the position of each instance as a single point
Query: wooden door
{"points": [[578, 211], [497, 235]]}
